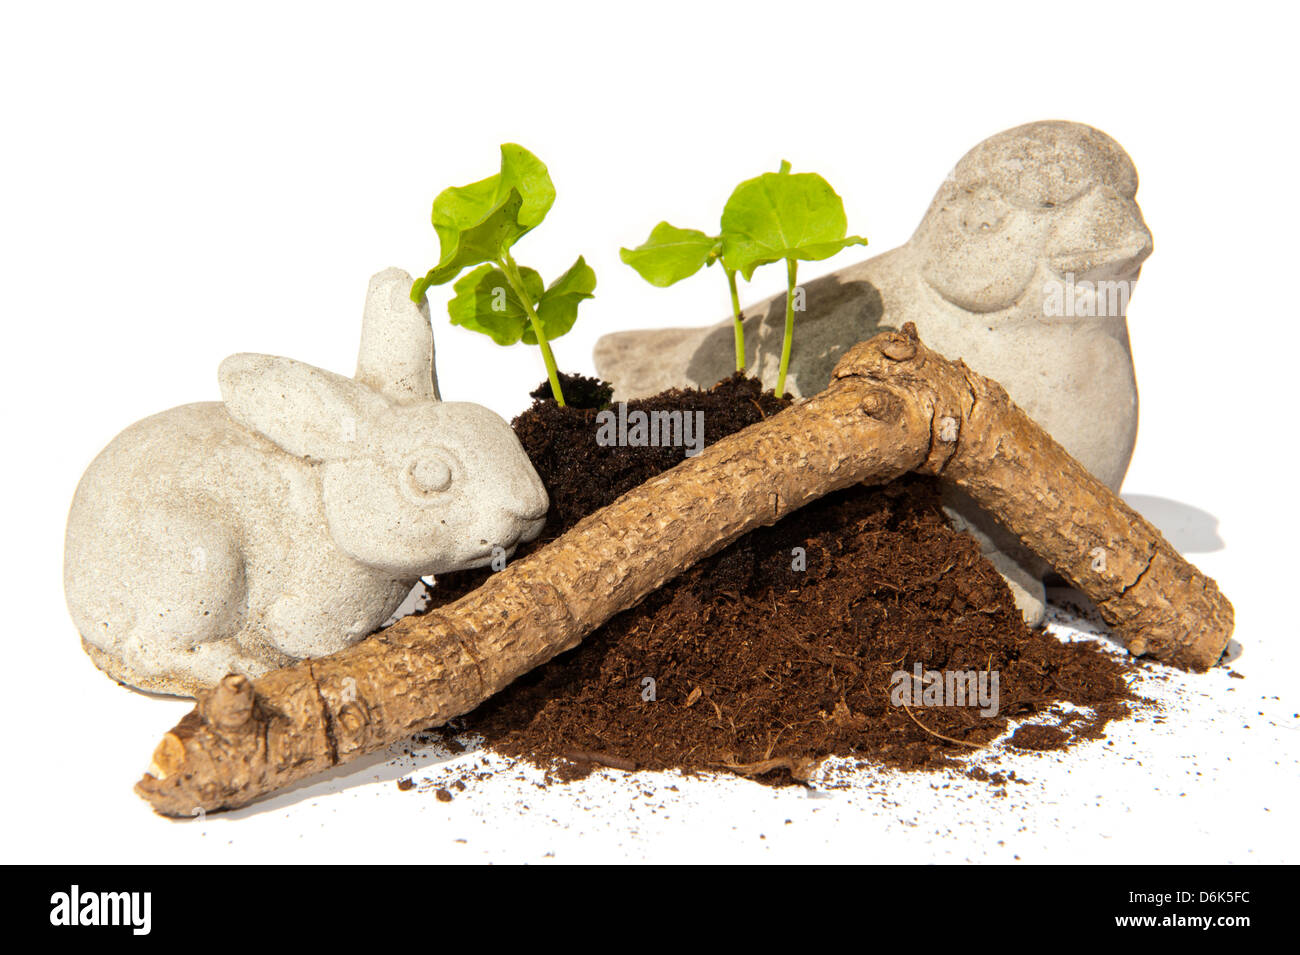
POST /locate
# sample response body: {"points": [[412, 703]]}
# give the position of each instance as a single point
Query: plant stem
{"points": [[511, 272], [791, 272], [738, 319]]}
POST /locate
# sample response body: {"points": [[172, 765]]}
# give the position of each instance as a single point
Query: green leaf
{"points": [[671, 254], [783, 216], [477, 222], [418, 289], [557, 309], [482, 242], [485, 302]]}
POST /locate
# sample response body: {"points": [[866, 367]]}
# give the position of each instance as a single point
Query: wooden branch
{"points": [[1156, 602], [894, 406]]}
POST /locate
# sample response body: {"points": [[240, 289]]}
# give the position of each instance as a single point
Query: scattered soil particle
{"points": [[444, 795], [405, 784], [1042, 738], [785, 647]]}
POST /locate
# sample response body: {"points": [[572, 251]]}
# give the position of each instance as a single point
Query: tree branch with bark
{"points": [[893, 406]]}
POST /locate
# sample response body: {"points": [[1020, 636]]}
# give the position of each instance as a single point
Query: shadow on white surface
{"points": [[386, 766], [1190, 529]]}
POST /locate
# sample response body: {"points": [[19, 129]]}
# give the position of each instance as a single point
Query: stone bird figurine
{"points": [[292, 518], [1023, 266]]}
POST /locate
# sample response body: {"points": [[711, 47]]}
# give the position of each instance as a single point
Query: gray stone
{"points": [[291, 519], [1022, 266]]}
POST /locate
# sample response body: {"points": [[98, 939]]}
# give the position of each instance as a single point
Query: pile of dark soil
{"points": [[787, 646]]}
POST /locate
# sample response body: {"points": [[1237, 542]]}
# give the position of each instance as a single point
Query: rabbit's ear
{"points": [[307, 411], [396, 357]]}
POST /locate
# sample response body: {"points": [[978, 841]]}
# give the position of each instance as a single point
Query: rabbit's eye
{"points": [[430, 475]]}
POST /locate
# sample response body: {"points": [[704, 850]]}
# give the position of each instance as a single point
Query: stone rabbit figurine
{"points": [[1022, 266], [291, 519]]}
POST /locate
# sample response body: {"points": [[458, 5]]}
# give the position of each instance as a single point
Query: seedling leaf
{"points": [[485, 302], [671, 254], [477, 222], [557, 308], [780, 215]]}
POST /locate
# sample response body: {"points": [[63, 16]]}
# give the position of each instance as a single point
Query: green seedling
{"points": [[775, 217], [780, 216], [672, 254], [477, 225]]}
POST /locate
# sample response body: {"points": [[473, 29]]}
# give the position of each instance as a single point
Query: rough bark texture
{"points": [[894, 407], [1155, 601]]}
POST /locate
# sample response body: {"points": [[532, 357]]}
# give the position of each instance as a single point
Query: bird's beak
{"points": [[1100, 236]]}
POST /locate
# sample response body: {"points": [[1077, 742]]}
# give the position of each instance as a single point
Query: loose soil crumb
{"points": [[1044, 737], [783, 648]]}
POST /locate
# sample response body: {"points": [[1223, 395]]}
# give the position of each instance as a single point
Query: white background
{"points": [[180, 183]]}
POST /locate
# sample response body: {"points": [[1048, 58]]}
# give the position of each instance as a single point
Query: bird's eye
{"points": [[985, 213], [428, 475]]}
